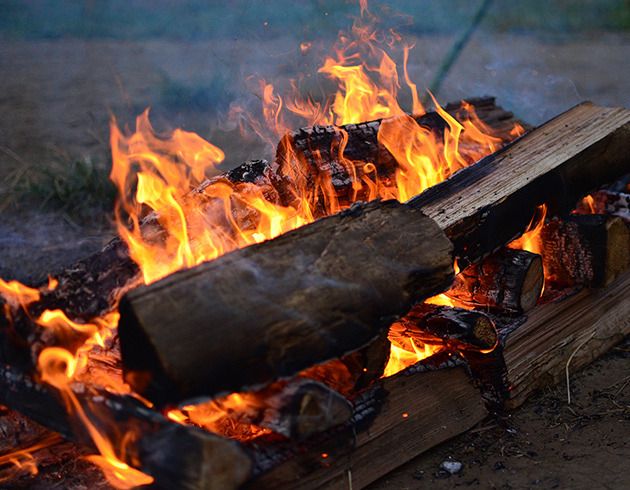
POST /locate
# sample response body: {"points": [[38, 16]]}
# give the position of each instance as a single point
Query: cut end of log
{"points": [[617, 250], [532, 284]]}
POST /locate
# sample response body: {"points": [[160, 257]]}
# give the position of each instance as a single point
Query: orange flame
{"points": [[530, 240], [406, 353], [57, 367], [23, 459]]}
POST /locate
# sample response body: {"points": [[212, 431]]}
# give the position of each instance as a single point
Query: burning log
{"points": [[296, 409], [585, 250], [485, 206], [508, 280], [308, 296], [444, 325], [342, 152], [177, 456], [606, 202]]}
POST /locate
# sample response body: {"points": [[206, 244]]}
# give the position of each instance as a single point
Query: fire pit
{"points": [[279, 324]]}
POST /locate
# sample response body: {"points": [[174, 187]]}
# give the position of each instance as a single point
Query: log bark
{"points": [[506, 281], [487, 205], [310, 295], [585, 250]]}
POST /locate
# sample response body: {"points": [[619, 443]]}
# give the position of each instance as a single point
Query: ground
{"points": [[57, 97]]}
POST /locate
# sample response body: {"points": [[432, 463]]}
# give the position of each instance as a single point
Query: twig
{"points": [[566, 368]]}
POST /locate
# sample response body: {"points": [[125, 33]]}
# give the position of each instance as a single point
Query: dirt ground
{"points": [[57, 97]]}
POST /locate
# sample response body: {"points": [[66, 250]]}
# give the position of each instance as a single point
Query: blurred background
{"points": [[69, 67]]}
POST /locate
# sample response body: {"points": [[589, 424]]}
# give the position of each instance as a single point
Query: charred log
{"points": [[310, 295], [508, 280], [585, 250], [456, 328]]}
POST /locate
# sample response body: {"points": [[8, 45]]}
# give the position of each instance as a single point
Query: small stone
{"points": [[451, 466]]}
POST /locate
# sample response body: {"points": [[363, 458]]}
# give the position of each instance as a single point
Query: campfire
{"points": [[385, 274]]}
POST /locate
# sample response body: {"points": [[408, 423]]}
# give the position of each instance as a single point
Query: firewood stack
{"points": [[302, 326]]}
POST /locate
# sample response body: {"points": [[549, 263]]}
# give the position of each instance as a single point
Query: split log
{"points": [[585, 250], [508, 280], [487, 205], [310, 295], [177, 456], [297, 409], [455, 328]]}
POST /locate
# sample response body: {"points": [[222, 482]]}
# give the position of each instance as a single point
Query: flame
{"points": [[530, 240], [23, 459], [17, 294], [57, 367], [227, 416], [405, 352]]}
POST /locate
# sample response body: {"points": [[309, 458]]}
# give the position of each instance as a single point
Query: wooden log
{"points": [[310, 295], [487, 205], [339, 153], [508, 280], [454, 328], [297, 409], [568, 334], [177, 456], [585, 250]]}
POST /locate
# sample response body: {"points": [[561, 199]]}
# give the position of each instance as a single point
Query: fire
{"points": [[171, 216], [223, 416], [58, 367], [406, 352], [23, 459], [530, 240]]}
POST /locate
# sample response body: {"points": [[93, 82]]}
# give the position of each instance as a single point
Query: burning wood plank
{"points": [[485, 206], [176, 455]]}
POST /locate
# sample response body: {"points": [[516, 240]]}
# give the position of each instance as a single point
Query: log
{"points": [[297, 409], [487, 205], [177, 456], [506, 281], [585, 250], [308, 296], [455, 328], [339, 153]]}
